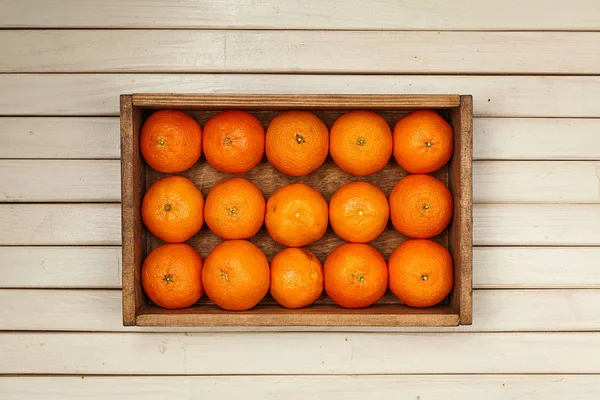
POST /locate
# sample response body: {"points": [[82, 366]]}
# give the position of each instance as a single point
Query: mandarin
{"points": [[356, 275], [358, 212], [423, 142], [420, 206], [173, 209], [297, 142], [236, 275], [234, 209], [172, 276], [360, 142], [296, 278], [421, 273], [171, 141], [234, 141], [296, 215]]}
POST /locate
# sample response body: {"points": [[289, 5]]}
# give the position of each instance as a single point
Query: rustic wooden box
{"points": [[138, 242]]}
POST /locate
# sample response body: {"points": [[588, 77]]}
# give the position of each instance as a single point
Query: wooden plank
{"points": [[60, 224], [493, 138], [60, 180], [536, 182], [536, 267], [312, 14], [299, 51], [98, 94], [400, 387], [299, 353], [536, 224], [493, 181], [536, 139], [493, 224], [60, 267], [495, 267], [494, 311], [294, 101], [59, 138]]}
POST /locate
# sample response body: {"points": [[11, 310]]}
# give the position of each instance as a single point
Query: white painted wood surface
{"points": [[311, 14], [300, 51], [496, 96], [536, 187]]}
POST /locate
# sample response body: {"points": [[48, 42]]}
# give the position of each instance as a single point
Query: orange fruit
{"points": [[234, 141], [236, 275], [296, 278], [171, 141], [358, 212], [296, 215], [172, 276], [423, 142], [356, 275], [360, 142], [297, 142], [421, 273], [420, 206], [172, 209], [234, 209]]}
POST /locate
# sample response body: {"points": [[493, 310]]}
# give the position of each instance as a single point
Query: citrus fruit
{"points": [[297, 142], [358, 212], [234, 141], [171, 141], [421, 273], [420, 206], [360, 142], [296, 215], [172, 276], [236, 275], [356, 275], [296, 278], [234, 209], [423, 142], [172, 209]]}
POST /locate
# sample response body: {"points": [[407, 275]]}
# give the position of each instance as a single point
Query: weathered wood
{"points": [[498, 96], [300, 387], [311, 14], [327, 179], [297, 353], [242, 51], [460, 233]]}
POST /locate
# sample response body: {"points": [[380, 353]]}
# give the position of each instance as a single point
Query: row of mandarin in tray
{"points": [[295, 215], [296, 142], [236, 275]]}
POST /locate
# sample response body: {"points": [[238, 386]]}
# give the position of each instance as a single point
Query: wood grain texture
{"points": [[460, 231], [59, 138], [493, 311], [60, 267], [60, 224], [399, 387], [293, 101], [299, 51], [296, 353], [312, 14], [536, 139], [98, 94], [536, 182], [536, 267], [536, 224], [494, 267], [60, 181], [493, 138]]}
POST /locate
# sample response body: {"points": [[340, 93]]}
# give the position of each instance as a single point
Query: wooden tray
{"points": [[138, 242]]}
